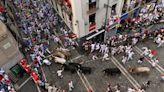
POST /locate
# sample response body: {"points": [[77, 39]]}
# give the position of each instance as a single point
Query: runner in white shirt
{"points": [[114, 50], [59, 73], [97, 47], [106, 49], [50, 88], [146, 51], [47, 62], [134, 41], [120, 49], [131, 90], [102, 48], [92, 47], [124, 59], [70, 85], [130, 55], [94, 57], [105, 57], [160, 42]]}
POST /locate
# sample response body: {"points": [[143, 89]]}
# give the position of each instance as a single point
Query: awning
{"points": [[97, 33]]}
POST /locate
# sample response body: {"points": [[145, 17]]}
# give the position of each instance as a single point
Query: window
{"points": [[92, 4], [92, 18], [124, 9], [92, 24], [113, 11], [91, 1], [70, 17]]}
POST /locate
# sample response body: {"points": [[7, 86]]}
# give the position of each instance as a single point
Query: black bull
{"points": [[86, 70], [112, 71], [70, 68], [73, 67]]}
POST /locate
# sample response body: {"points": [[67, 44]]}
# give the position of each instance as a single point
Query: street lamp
{"points": [[106, 16]]}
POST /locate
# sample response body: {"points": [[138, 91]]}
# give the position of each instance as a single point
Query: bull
{"points": [[59, 60], [86, 70], [77, 65], [139, 70], [64, 51], [111, 71], [70, 68]]}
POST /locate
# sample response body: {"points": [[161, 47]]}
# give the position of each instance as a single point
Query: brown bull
{"points": [[65, 52], [139, 70], [59, 54]]}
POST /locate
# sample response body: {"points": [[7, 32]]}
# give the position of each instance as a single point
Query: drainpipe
{"points": [[106, 16]]}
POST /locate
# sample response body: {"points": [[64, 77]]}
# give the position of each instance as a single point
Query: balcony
{"points": [[92, 26], [92, 8]]}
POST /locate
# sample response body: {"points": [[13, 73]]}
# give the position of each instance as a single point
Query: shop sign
{"points": [[7, 45]]}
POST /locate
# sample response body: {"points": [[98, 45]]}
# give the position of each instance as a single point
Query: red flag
{"points": [[154, 52]]}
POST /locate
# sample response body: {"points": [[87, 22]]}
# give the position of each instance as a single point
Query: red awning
{"points": [[92, 26], [34, 76]]}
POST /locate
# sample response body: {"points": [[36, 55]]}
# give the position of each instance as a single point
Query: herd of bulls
{"points": [[73, 67]]}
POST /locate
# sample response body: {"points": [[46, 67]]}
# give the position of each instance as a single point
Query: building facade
{"points": [[9, 51], [84, 17]]}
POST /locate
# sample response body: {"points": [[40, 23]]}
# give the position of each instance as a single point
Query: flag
{"points": [[154, 52]]}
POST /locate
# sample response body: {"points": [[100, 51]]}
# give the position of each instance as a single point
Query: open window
{"points": [[113, 11], [92, 4], [92, 23]]}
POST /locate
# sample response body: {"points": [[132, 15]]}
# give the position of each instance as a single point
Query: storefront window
{"points": [[16, 70]]}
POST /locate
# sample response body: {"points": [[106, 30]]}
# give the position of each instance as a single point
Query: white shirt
{"points": [[103, 46], [117, 91], [92, 46], [59, 72], [135, 40], [50, 88], [130, 54], [70, 84], [124, 59], [97, 46], [121, 47], [47, 62], [105, 55], [130, 90], [54, 89]]}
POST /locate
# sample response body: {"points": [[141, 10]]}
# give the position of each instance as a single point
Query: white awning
{"points": [[90, 37]]}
